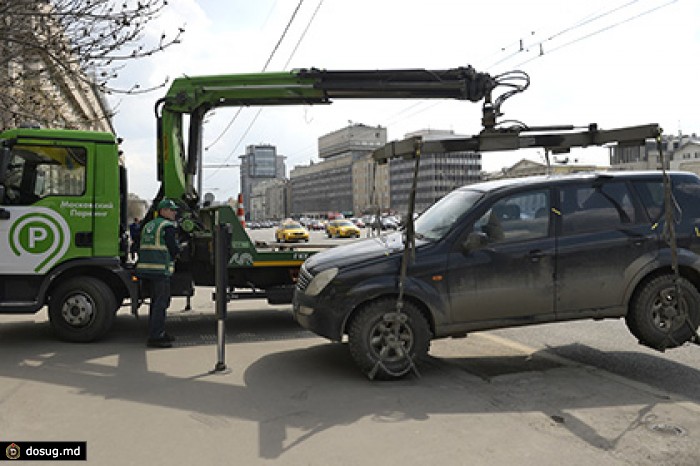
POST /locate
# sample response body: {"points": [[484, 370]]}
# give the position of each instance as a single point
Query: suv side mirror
{"points": [[475, 240]]}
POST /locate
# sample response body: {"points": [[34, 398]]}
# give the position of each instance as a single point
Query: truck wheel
{"points": [[82, 309], [655, 321], [388, 346]]}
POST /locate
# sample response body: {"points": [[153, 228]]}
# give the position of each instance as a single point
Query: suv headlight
{"points": [[319, 282]]}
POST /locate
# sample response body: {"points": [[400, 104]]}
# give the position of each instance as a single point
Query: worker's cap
{"points": [[167, 204]]}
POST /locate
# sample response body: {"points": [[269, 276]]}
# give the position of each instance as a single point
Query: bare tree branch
{"points": [[52, 51]]}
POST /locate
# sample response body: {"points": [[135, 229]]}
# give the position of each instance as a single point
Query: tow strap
{"points": [[398, 318], [669, 236]]}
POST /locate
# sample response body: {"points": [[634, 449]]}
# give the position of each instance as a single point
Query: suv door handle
{"points": [[535, 255], [639, 241]]}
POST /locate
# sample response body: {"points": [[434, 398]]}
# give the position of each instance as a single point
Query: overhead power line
{"points": [[264, 68], [523, 48], [274, 51], [601, 30]]}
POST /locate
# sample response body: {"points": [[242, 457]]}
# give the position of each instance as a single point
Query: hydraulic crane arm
{"points": [[195, 96], [557, 139], [314, 86]]}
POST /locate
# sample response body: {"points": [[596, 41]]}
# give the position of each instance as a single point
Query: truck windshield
{"points": [[435, 222]]}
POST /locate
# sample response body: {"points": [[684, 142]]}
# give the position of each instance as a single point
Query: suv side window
{"points": [[686, 192], [518, 217], [651, 193], [589, 208]]}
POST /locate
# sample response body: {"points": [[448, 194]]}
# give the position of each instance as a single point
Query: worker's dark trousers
{"points": [[160, 301]]}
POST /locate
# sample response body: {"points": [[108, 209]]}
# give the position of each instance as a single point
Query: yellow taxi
{"points": [[342, 229], [289, 232]]}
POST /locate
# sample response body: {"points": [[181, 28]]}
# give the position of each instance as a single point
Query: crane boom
{"points": [[195, 96]]}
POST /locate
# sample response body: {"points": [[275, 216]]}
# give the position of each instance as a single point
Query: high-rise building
{"points": [[260, 163]]}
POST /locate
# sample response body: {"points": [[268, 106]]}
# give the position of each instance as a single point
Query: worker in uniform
{"points": [[158, 251]]}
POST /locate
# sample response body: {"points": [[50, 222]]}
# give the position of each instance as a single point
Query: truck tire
{"points": [[82, 309], [651, 318], [372, 339]]}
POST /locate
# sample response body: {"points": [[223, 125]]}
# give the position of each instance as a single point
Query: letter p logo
{"points": [[36, 235], [39, 239]]}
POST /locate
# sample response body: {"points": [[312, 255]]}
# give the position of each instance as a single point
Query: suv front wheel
{"points": [[656, 320], [386, 344]]}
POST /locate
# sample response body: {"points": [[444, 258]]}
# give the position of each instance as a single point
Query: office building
{"points": [[259, 164], [439, 173]]}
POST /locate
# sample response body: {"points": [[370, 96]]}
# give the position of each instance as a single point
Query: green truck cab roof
{"points": [[58, 135]]}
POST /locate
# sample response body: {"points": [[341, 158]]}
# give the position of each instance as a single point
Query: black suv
{"points": [[514, 252]]}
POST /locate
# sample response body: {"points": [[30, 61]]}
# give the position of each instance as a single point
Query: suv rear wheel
{"points": [[386, 344], [654, 318]]}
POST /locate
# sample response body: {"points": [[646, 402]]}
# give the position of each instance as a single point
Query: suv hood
{"points": [[359, 251]]}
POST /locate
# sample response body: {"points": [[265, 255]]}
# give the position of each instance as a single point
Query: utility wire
{"points": [[522, 48], [303, 34], [591, 19], [296, 47], [594, 33], [267, 63], [586, 20], [291, 55], [284, 34]]}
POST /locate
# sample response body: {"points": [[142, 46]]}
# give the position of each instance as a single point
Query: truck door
{"points": [[511, 276], [34, 232]]}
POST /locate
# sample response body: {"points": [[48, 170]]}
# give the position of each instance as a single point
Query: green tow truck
{"points": [[63, 222], [63, 193]]}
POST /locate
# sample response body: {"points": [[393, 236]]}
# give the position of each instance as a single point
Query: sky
{"points": [[615, 63]]}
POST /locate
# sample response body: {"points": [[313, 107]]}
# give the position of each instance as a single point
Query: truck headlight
{"points": [[319, 282]]}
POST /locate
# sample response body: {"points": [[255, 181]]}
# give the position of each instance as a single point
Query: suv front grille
{"points": [[304, 278]]}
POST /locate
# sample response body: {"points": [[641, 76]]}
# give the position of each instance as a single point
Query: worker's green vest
{"points": [[154, 258]]}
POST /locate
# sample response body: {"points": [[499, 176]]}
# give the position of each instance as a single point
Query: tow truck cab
{"points": [[63, 222]]}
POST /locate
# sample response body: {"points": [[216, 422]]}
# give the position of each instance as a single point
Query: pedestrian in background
{"points": [[158, 251], [134, 234]]}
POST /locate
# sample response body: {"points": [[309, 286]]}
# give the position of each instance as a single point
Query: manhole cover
{"points": [[667, 429]]}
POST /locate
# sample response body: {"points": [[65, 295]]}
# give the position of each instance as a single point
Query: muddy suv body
{"points": [[515, 252]]}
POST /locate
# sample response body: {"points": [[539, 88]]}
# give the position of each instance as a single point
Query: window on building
{"points": [[262, 163]]}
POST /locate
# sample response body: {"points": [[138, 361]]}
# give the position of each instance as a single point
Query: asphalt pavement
{"points": [[289, 397]]}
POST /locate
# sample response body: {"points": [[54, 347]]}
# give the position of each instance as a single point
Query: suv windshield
{"points": [[435, 222]]}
